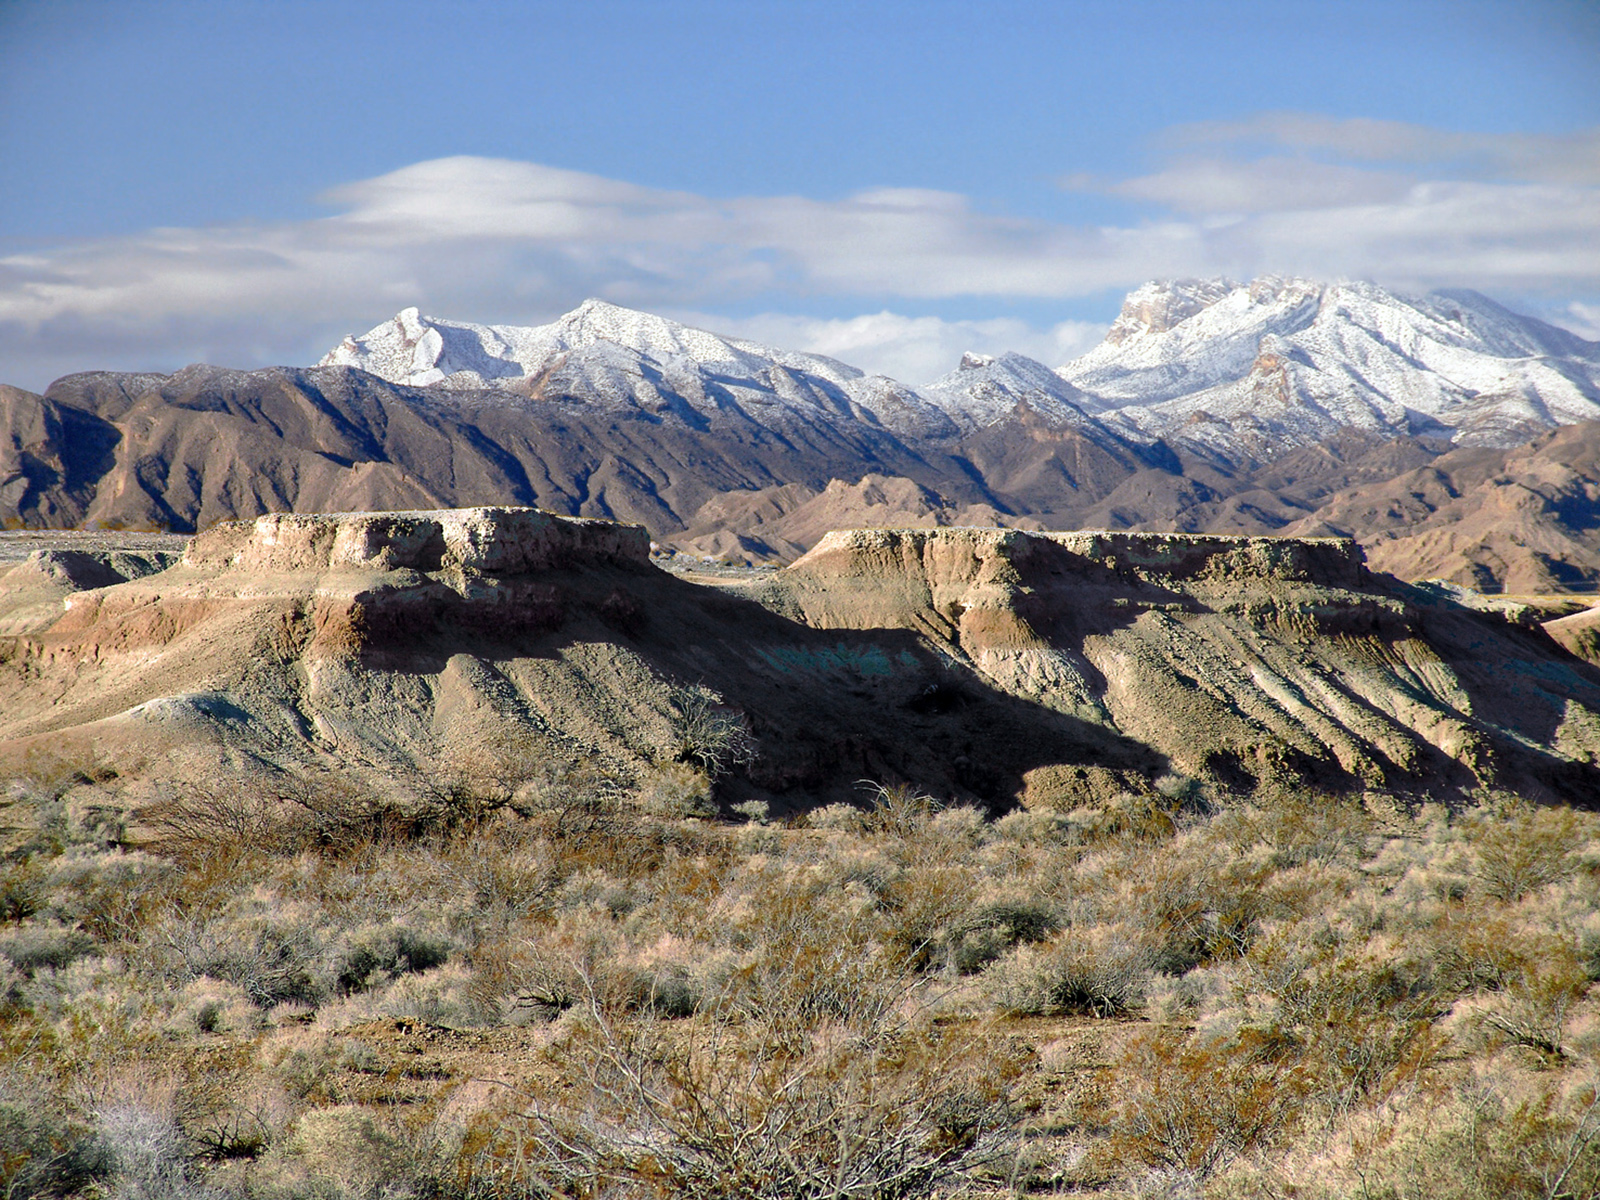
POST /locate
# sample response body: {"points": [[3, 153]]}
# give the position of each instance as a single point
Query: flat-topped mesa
{"points": [[483, 541], [1198, 557]]}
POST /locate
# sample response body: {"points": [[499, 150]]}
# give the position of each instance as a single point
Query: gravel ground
{"points": [[17, 544]]}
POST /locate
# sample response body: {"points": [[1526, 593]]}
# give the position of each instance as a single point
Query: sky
{"points": [[245, 183]]}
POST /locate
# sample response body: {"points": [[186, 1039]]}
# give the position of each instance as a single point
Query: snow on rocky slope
{"points": [[603, 354], [1234, 373], [1244, 372]]}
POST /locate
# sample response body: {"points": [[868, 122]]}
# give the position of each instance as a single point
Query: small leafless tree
{"points": [[709, 734]]}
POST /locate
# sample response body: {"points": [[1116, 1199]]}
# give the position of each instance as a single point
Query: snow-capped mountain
{"points": [[609, 356], [1236, 373], [1247, 371], [985, 389]]}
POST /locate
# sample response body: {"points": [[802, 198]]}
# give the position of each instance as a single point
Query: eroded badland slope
{"points": [[978, 664]]}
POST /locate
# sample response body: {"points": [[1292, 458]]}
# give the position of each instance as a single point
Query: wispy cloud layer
{"points": [[914, 350], [491, 239]]}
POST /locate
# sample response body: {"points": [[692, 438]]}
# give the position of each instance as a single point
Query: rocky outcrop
{"points": [[485, 541], [985, 665], [1241, 660]]}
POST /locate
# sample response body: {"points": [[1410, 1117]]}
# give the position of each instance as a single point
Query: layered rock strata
{"points": [[984, 665]]}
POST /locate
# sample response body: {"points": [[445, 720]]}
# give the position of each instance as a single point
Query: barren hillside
{"points": [[989, 665]]}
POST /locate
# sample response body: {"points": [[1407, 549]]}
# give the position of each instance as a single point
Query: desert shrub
{"points": [[36, 947], [1357, 1022], [1520, 848], [841, 818], [1189, 903], [581, 958], [668, 992], [234, 1133], [385, 953], [1473, 949], [1191, 1104], [678, 789], [274, 962], [1096, 972], [1484, 1138], [1028, 826], [22, 889], [898, 810], [348, 1148], [1298, 828], [150, 1153], [921, 908], [1532, 1010], [1130, 816], [44, 1152], [706, 733], [501, 876], [992, 929], [218, 817], [811, 954], [724, 1110], [109, 894], [339, 816]]}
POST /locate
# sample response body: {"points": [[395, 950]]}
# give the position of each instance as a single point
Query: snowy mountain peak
{"points": [[1273, 364], [604, 355], [1281, 362], [984, 389], [1162, 303]]}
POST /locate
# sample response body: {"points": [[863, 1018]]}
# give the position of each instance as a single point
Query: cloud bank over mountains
{"points": [[498, 240]]}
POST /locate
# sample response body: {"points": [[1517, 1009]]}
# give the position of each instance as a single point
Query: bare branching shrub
{"points": [[1299, 828], [1358, 1024], [353, 1150], [1533, 1009], [45, 1152], [725, 1110], [273, 961], [708, 733], [1192, 904], [983, 934], [923, 906], [149, 1150], [222, 817], [1193, 1103], [1486, 1138], [678, 790], [1521, 848], [383, 953], [898, 810], [813, 955]]}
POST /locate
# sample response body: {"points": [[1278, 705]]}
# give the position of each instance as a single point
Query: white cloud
{"points": [[495, 240], [1568, 158], [1264, 185], [914, 350], [1580, 318]]}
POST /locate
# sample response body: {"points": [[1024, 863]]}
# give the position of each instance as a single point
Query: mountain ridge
{"points": [[1264, 403]]}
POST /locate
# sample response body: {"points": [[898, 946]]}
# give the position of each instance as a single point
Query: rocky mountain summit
{"points": [[1235, 373], [1243, 372], [996, 666]]}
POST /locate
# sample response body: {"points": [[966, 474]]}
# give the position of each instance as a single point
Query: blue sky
{"points": [[892, 183]]}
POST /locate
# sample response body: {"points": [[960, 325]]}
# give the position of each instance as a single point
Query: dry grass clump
{"points": [[551, 982]]}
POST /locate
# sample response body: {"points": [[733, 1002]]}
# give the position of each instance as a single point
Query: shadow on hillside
{"points": [[834, 706], [829, 707]]}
